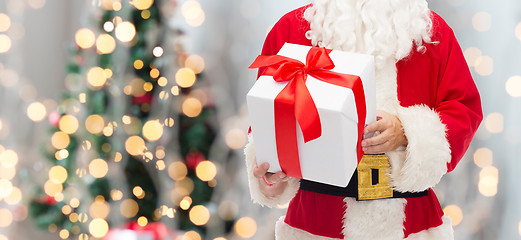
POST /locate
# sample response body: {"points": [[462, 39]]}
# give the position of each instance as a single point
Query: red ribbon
{"points": [[294, 102]]}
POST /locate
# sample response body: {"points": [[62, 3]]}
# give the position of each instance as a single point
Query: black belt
{"points": [[352, 188]]}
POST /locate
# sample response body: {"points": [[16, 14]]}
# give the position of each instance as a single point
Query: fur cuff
{"points": [[427, 153], [283, 231], [444, 232], [256, 195]]}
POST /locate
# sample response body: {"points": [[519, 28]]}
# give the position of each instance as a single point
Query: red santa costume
{"points": [[423, 79]]}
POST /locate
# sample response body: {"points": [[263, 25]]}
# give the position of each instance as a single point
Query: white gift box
{"points": [[331, 158]]}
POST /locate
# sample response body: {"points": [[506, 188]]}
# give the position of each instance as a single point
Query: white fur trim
{"points": [[443, 232], [256, 194], [377, 220], [283, 231], [427, 153]]}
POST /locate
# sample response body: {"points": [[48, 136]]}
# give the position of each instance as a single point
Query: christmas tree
{"points": [[130, 140]]}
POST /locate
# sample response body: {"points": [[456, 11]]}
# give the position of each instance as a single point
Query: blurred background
{"points": [[126, 119]]}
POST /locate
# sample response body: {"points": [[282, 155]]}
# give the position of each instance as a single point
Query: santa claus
{"points": [[428, 111]]}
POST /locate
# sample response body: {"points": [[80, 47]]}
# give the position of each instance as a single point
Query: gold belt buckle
{"points": [[370, 188]]}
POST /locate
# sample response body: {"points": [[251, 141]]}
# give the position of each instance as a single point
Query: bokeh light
{"points": [[142, 4], [185, 77], [52, 188], [199, 215], [152, 130], [483, 157], [58, 174], [6, 217], [36, 111], [5, 43], [177, 170], [68, 124], [125, 31], [192, 107], [245, 227], [206, 170], [64, 234], [94, 123], [158, 51], [129, 208], [235, 138], [98, 168], [471, 55], [494, 122], [6, 187], [15, 197], [60, 140], [105, 44], [142, 221], [191, 235], [8, 158], [96, 77], [455, 213], [99, 209], [484, 65], [36, 4], [195, 62], [98, 227], [513, 86], [482, 21], [5, 22], [85, 38], [135, 145], [193, 13]]}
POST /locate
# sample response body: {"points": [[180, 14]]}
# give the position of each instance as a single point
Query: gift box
{"points": [[308, 110]]}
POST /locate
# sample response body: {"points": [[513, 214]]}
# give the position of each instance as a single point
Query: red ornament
{"points": [[193, 159]]}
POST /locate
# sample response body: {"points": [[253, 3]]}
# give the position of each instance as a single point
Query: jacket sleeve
{"points": [[276, 38], [440, 135]]}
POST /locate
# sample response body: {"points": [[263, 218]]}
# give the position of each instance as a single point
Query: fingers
{"points": [[260, 171], [271, 178], [375, 140], [378, 149], [275, 178]]}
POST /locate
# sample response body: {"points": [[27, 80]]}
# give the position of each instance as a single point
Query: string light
{"points": [[135, 145]]}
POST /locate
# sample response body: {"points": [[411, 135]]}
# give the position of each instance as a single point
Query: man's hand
{"points": [[275, 182], [390, 137]]}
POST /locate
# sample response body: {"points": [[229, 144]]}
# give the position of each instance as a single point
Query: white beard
{"points": [[386, 29]]}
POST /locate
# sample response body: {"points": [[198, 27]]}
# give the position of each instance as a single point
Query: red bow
{"points": [[294, 102]]}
